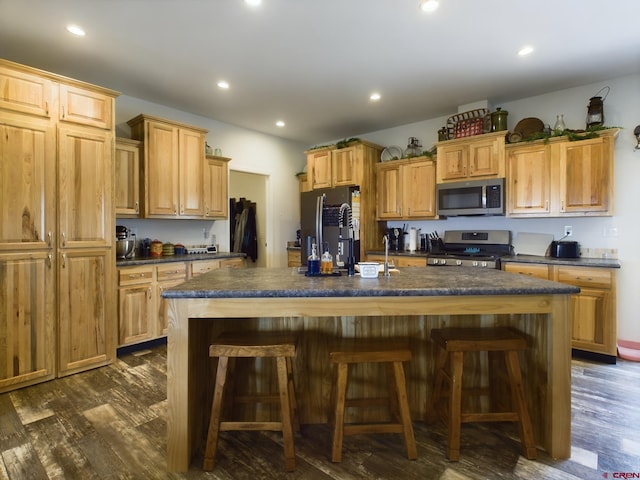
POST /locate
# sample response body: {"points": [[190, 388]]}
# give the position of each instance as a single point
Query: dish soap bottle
{"points": [[313, 261], [326, 263]]}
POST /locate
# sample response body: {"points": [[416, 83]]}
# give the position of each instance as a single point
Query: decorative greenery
{"points": [[572, 135], [340, 144]]}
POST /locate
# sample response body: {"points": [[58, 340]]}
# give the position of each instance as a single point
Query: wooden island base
{"points": [[195, 322]]}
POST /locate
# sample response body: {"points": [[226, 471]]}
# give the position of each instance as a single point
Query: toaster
{"points": [[564, 249]]}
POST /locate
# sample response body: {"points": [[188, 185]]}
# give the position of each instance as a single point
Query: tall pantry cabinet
{"points": [[57, 264]]}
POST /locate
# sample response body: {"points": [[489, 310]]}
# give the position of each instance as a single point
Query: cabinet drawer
{"points": [[203, 266], [585, 277], [537, 271], [171, 271], [135, 275], [232, 263]]}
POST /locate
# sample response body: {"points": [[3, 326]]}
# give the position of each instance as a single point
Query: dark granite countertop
{"points": [[177, 258], [575, 262], [408, 281]]}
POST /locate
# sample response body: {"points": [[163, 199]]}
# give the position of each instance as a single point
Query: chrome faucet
{"points": [[385, 239]]}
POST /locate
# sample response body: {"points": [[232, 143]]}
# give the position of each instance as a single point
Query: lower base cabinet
{"points": [[593, 326], [142, 312]]}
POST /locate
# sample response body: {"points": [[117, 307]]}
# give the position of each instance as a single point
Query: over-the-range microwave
{"points": [[473, 197]]}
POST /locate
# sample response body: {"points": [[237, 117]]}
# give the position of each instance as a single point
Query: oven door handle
{"points": [[484, 196]]}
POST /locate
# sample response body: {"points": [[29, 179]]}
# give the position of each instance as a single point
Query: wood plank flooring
{"points": [[109, 423]]}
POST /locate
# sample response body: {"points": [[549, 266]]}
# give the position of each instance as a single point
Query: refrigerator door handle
{"points": [[319, 209]]}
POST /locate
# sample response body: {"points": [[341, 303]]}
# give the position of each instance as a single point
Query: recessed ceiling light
{"points": [[374, 97], [76, 30], [280, 123], [224, 85], [253, 3], [526, 50], [429, 5]]}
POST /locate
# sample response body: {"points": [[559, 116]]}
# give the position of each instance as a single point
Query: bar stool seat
{"points": [[355, 351], [229, 346], [452, 344]]}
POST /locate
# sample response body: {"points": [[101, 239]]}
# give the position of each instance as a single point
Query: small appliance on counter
{"points": [[564, 249], [125, 243]]}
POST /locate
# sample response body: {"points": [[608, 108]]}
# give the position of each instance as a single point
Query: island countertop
{"points": [[406, 282]]}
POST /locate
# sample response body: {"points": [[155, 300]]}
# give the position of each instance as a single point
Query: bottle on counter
{"points": [[326, 262], [313, 261]]}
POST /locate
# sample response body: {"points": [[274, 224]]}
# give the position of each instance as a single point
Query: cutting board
{"points": [[532, 243]]}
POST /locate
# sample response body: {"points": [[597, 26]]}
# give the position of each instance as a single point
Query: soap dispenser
{"points": [[313, 261], [326, 263]]}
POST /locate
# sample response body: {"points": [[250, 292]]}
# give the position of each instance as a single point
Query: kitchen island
{"points": [[407, 304]]}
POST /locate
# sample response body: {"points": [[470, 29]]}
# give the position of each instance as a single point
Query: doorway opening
{"points": [[253, 186]]}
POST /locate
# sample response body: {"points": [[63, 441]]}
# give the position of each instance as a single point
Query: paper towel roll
{"points": [[413, 239]]}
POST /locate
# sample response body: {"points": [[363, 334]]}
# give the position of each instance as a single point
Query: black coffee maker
{"points": [[396, 238]]}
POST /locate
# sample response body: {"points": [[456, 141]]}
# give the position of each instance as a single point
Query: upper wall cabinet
{"points": [[216, 197], [173, 167], [329, 167], [127, 178], [86, 107], [25, 92], [561, 177], [477, 157]]}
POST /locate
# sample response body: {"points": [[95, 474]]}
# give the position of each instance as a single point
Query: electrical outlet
{"points": [[568, 230]]}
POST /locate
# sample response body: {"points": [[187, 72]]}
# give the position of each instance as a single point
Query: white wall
{"points": [[251, 152], [621, 109]]}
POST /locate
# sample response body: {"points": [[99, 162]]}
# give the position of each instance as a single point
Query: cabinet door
{"points": [[27, 183], [162, 305], [191, 161], [86, 107], [586, 176], [319, 166], [344, 167], [389, 191], [528, 180], [127, 178], [419, 190], [27, 319], [85, 190], [484, 158], [216, 196], [452, 162], [86, 315], [136, 314], [24, 93], [161, 170]]}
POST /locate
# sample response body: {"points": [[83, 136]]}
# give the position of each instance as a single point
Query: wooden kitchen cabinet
{"points": [[561, 178], [167, 275], [471, 158], [216, 179], [27, 319], [329, 167], [406, 189], [136, 304], [593, 310], [23, 91], [87, 309], [173, 167], [398, 260], [127, 178], [56, 224], [86, 106]]}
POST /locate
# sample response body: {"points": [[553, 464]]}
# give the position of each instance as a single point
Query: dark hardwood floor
{"points": [[109, 423]]}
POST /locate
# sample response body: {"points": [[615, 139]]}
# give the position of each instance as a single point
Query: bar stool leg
{"points": [[405, 415], [285, 406], [517, 393], [455, 406], [293, 405], [338, 427], [216, 410]]}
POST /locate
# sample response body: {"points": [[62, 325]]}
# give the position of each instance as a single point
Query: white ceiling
{"points": [[314, 64]]}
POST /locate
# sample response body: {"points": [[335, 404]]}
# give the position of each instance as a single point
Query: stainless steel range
{"points": [[470, 248]]}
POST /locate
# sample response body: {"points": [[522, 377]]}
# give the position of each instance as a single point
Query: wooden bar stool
{"points": [[452, 343], [354, 351], [229, 346]]}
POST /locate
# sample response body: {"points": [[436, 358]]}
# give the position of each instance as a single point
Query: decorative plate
{"points": [[391, 153]]}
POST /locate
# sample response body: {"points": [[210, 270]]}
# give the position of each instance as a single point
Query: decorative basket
{"points": [[467, 124]]}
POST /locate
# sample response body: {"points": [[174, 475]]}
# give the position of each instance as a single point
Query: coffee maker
{"points": [[396, 238]]}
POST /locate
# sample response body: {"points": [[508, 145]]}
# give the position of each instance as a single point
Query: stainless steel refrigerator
{"points": [[319, 217]]}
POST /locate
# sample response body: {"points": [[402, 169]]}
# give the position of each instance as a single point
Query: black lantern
{"points": [[595, 110]]}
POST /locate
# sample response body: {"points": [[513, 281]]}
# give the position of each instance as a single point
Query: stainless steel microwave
{"points": [[474, 197]]}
